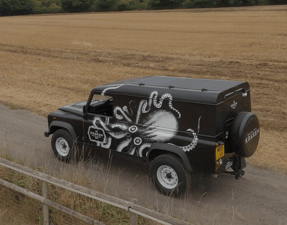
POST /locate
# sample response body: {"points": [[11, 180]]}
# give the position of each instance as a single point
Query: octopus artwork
{"points": [[138, 126]]}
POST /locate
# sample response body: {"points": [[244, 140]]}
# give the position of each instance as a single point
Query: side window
{"points": [[101, 105]]}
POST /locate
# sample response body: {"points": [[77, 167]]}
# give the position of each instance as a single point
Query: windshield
{"points": [[100, 98]]}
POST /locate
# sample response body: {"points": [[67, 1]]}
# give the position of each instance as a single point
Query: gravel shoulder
{"points": [[260, 197]]}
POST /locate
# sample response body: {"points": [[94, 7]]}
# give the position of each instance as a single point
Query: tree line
{"points": [[19, 7]]}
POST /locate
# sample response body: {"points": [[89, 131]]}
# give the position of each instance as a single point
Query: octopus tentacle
{"points": [[123, 127], [123, 144], [130, 113], [140, 110], [164, 96], [109, 88], [120, 117], [153, 96], [198, 125], [101, 122], [192, 144], [132, 150], [118, 135], [158, 104], [107, 144], [142, 148]]}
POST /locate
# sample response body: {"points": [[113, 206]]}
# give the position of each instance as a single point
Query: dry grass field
{"points": [[47, 61]]}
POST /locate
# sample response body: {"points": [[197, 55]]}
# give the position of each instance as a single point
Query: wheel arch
{"points": [[57, 125], [160, 149]]}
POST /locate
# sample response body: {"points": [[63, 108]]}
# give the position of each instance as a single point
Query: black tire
{"points": [[245, 134], [167, 165], [63, 146]]}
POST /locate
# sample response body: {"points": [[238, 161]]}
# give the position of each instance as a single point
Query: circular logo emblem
{"points": [[137, 141], [133, 129]]}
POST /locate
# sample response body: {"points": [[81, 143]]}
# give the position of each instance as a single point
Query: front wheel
{"points": [[62, 145], [169, 175]]}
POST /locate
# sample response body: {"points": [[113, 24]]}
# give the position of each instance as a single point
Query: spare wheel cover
{"points": [[245, 134]]}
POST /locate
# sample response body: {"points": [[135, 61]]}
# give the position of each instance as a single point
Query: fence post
{"points": [[45, 207], [134, 216], [134, 219]]}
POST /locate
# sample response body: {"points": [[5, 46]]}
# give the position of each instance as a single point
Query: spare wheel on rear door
{"points": [[245, 134]]}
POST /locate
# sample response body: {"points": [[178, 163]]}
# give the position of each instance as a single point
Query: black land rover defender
{"points": [[179, 125]]}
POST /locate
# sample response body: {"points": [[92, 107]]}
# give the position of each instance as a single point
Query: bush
{"points": [[53, 6], [166, 4], [50, 9], [16, 7], [199, 4], [274, 2], [76, 5], [123, 5], [105, 5], [47, 3], [243, 2], [223, 3], [130, 5], [137, 4], [37, 4]]}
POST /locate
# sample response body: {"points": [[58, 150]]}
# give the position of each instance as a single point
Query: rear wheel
{"points": [[62, 145], [169, 175]]}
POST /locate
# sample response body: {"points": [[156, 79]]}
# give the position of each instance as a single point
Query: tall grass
{"points": [[16, 208], [29, 211]]}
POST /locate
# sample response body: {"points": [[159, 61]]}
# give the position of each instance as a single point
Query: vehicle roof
{"points": [[204, 91]]}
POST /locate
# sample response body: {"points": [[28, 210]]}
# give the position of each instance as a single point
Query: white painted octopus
{"points": [[134, 136]]}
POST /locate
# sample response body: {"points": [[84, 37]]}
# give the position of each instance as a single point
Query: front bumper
{"points": [[47, 133]]}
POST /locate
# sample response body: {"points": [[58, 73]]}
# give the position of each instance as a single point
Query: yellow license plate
{"points": [[219, 152]]}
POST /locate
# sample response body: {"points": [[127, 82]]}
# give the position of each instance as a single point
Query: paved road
{"points": [[260, 197]]}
